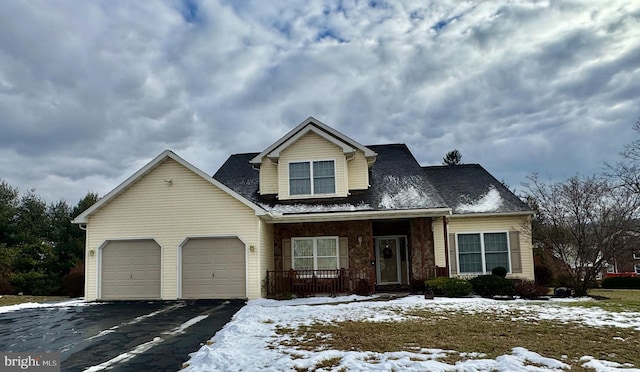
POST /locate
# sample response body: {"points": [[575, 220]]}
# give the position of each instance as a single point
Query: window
{"points": [[637, 269], [310, 178], [315, 253], [482, 250], [611, 268]]}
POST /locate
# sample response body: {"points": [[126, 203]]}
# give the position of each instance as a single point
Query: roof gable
{"points": [[167, 154], [311, 124]]}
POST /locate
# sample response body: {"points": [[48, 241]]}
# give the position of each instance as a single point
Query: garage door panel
{"points": [[130, 270], [213, 268]]}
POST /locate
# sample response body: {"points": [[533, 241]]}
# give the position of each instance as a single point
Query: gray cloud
{"points": [[90, 91]]}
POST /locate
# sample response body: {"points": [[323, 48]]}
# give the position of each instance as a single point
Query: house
{"points": [[626, 263], [316, 210]]}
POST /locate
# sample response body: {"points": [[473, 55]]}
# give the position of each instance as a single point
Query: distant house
{"points": [[625, 264], [316, 211]]}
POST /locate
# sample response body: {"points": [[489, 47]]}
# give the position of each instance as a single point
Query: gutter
{"points": [[358, 215]]}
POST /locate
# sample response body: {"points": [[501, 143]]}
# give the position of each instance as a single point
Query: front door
{"points": [[388, 267]]}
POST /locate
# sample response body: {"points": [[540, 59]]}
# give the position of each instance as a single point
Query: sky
{"points": [[92, 91]]}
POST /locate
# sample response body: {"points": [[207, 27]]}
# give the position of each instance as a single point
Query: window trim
{"points": [[311, 179], [482, 251], [637, 268], [636, 255], [315, 250]]}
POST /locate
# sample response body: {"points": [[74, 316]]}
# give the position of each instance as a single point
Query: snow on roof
{"points": [[314, 208], [489, 202], [404, 193]]}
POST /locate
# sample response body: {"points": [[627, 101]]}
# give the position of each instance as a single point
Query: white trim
{"points": [[353, 216], [99, 262], [275, 154], [636, 255], [167, 154], [210, 236], [312, 195], [482, 251], [492, 214], [311, 121], [315, 250]]}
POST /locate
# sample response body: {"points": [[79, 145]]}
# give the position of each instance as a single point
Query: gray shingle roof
{"points": [[469, 188], [397, 182]]}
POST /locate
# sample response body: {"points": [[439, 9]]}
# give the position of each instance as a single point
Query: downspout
{"points": [[446, 243], [422, 248]]}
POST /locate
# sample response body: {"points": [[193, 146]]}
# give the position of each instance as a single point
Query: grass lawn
{"points": [[491, 332], [6, 300]]}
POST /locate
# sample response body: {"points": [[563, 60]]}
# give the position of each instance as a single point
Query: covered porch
{"points": [[352, 257]]}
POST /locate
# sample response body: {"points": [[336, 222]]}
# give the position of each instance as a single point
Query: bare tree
{"points": [[585, 222], [627, 171], [453, 157]]}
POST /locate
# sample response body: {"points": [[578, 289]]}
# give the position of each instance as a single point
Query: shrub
{"points": [[492, 285], [417, 286], [437, 285], [544, 276], [36, 283], [5, 287], [499, 271], [529, 289], [449, 287], [73, 283], [621, 282]]}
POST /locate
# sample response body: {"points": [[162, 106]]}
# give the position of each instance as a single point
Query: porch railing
{"points": [[302, 283]]}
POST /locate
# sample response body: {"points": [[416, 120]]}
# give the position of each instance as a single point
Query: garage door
{"points": [[213, 268], [130, 270]]}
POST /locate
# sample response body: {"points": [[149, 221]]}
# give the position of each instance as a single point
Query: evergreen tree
{"points": [[453, 157]]}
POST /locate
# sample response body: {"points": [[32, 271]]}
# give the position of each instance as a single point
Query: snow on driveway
{"points": [[250, 342]]}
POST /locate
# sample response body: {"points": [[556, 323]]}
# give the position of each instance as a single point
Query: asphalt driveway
{"points": [[117, 336]]}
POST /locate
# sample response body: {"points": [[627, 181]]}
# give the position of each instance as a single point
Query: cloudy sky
{"points": [[92, 90]]}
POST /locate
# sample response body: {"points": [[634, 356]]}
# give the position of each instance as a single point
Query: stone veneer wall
{"points": [[421, 244], [360, 255]]}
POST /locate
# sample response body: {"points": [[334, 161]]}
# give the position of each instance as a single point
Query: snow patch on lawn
{"points": [[250, 342], [34, 305]]}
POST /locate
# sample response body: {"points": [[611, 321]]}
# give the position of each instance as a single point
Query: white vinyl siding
{"points": [[268, 177], [308, 149], [518, 228], [169, 213], [358, 170], [319, 253]]}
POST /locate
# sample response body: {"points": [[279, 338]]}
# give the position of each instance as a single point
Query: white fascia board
{"points": [[491, 214], [308, 122], [355, 216], [344, 146], [83, 217]]}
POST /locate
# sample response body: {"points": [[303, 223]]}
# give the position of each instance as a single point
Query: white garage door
{"points": [[130, 270], [213, 268]]}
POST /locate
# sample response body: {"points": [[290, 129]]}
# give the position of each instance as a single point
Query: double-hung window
{"points": [[481, 252], [320, 253], [312, 177]]}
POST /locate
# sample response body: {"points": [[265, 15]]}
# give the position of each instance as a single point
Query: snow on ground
{"points": [[32, 305], [249, 342]]}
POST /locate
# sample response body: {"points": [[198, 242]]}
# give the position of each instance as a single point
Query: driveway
{"points": [[117, 336]]}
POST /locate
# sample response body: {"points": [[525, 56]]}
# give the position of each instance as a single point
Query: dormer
{"points": [[313, 161]]}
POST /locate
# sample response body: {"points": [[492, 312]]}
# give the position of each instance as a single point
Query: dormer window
{"points": [[312, 177]]}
